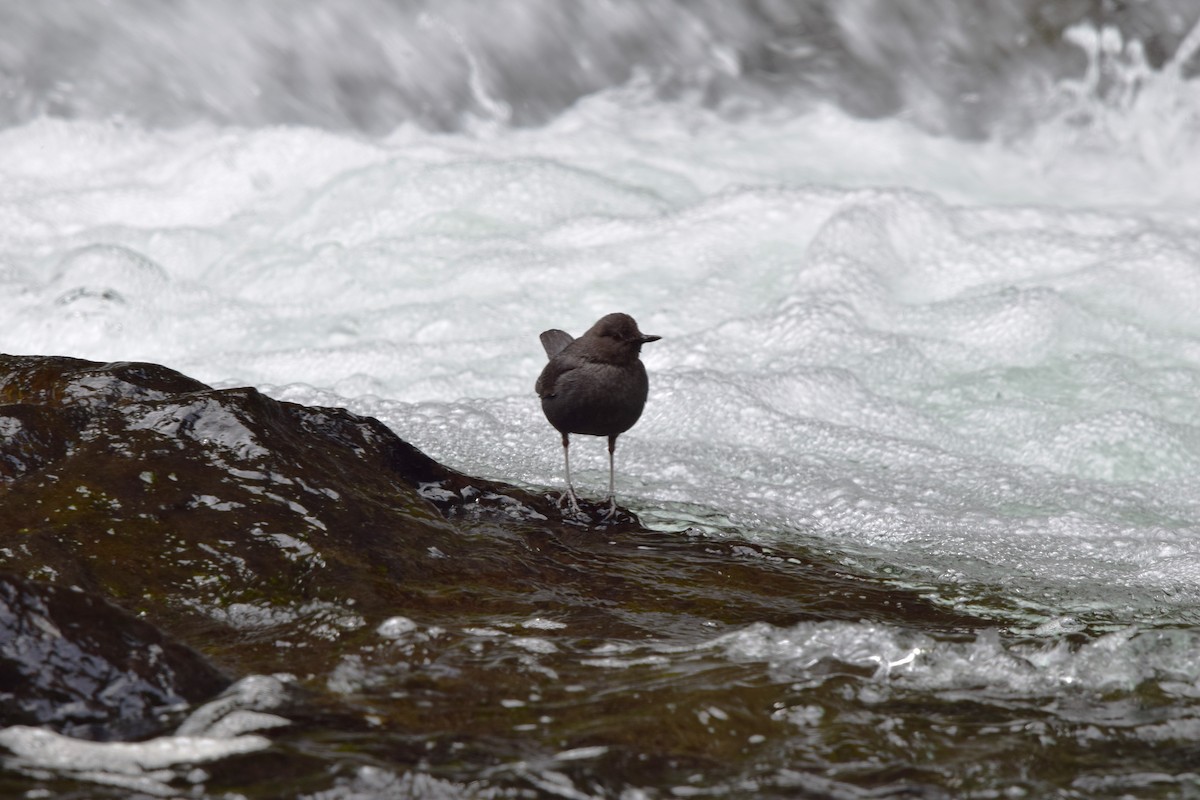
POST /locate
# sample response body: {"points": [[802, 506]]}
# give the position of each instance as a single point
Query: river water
{"points": [[927, 277]]}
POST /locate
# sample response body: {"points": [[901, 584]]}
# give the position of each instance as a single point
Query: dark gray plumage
{"points": [[596, 385]]}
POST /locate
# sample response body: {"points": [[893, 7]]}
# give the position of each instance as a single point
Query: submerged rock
{"points": [[72, 662]]}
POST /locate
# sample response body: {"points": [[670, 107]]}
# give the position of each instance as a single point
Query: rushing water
{"points": [[927, 284]]}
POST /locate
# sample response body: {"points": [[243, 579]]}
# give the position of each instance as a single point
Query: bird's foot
{"points": [[569, 497], [611, 513]]}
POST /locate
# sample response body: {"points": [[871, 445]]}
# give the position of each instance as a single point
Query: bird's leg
{"points": [[569, 494], [612, 494]]}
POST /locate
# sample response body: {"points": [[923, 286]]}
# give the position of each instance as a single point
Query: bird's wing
{"points": [[554, 374], [554, 341]]}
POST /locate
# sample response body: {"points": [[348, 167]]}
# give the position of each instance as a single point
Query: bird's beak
{"points": [[646, 339]]}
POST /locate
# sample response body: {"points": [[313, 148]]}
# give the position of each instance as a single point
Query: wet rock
{"points": [[74, 663], [213, 512]]}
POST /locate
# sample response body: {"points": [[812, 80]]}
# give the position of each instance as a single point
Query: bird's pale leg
{"points": [[612, 493], [569, 494]]}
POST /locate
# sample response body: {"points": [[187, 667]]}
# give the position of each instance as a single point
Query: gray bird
{"points": [[596, 385]]}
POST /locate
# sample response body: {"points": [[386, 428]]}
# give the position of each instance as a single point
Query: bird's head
{"points": [[615, 338]]}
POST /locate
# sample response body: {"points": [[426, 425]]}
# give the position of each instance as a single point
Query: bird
{"points": [[594, 385]]}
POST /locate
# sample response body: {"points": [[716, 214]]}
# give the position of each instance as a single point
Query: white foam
{"points": [[139, 766], [535, 644], [216, 730], [1117, 662], [373, 782], [396, 627], [541, 623]]}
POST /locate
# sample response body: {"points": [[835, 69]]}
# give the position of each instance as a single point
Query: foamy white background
{"points": [[969, 364]]}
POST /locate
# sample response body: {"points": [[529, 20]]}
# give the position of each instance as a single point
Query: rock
{"points": [[76, 664], [220, 516], [207, 510]]}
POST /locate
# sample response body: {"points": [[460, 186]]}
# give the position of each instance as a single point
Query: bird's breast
{"points": [[597, 399]]}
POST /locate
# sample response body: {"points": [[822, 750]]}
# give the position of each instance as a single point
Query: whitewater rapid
{"points": [[969, 365]]}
